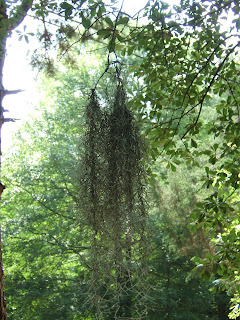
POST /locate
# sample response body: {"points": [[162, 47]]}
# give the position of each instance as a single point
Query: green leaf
{"points": [[238, 23], [109, 21], [111, 45], [193, 143], [119, 37], [105, 32], [101, 11], [130, 50], [86, 22], [174, 169], [123, 20], [212, 160], [197, 260], [205, 275], [66, 6]]}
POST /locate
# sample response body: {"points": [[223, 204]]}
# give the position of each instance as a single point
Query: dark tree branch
{"points": [[233, 95], [19, 14], [8, 92], [208, 89], [49, 208]]}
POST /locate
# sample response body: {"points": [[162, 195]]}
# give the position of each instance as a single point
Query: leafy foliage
{"points": [[48, 239], [187, 94], [44, 244]]}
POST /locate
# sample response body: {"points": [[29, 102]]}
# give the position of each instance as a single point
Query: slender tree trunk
{"points": [[3, 39], [3, 313], [7, 24], [168, 284]]}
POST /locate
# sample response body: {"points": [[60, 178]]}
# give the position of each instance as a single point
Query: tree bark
{"points": [[3, 313], [7, 24], [3, 40]]}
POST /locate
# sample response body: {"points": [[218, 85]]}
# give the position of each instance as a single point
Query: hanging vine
{"points": [[112, 200]]}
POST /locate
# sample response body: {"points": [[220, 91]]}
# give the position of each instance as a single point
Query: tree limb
{"points": [[7, 92], [208, 89], [20, 14]]}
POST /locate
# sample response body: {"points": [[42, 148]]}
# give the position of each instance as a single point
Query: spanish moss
{"points": [[112, 200]]}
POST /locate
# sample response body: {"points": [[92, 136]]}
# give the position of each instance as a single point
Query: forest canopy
{"points": [[178, 67]]}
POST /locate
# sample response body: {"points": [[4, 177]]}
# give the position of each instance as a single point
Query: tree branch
{"points": [[20, 14], [209, 87], [7, 92]]}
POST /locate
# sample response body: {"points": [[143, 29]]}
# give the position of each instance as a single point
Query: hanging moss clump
{"points": [[92, 162], [112, 200]]}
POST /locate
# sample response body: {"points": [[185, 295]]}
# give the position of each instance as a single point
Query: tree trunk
{"points": [[7, 24], [3, 39], [3, 313]]}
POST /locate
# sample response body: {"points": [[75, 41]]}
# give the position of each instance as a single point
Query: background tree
{"points": [[43, 238]]}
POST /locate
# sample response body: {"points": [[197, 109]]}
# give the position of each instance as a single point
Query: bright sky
{"points": [[17, 75]]}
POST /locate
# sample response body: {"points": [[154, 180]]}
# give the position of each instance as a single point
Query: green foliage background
{"points": [[47, 248], [183, 86]]}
